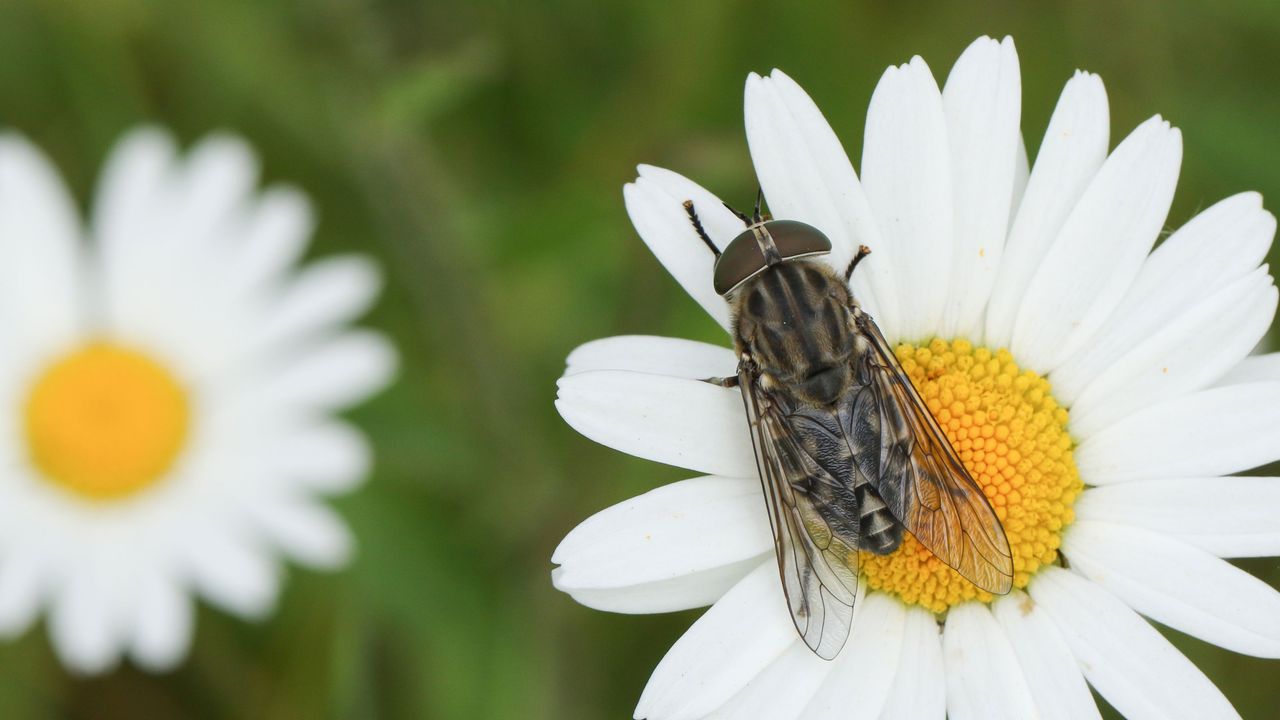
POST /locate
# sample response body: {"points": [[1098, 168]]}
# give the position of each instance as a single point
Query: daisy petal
{"points": [[906, 173], [211, 188], [308, 532], [337, 373], [1216, 248], [233, 574], [329, 457], [919, 688], [781, 690], [81, 625], [1021, 174], [273, 235], [860, 677], [40, 301], [133, 184], [1172, 438], [655, 355], [1054, 679], [1074, 147], [806, 175], [1226, 516], [655, 202], [327, 293], [745, 631], [1187, 354], [1130, 664], [686, 423], [22, 581], [1100, 249], [162, 624], [683, 536], [1178, 585], [1255, 368], [983, 102], [983, 676]]}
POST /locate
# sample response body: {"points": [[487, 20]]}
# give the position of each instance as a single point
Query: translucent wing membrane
{"points": [[924, 483], [817, 558]]}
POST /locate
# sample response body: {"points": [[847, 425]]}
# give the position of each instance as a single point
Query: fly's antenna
{"points": [[741, 215], [697, 226], [863, 251], [755, 216]]}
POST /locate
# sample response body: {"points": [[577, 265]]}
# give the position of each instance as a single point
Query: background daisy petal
{"points": [[862, 674], [1178, 585], [328, 457], [81, 623], [655, 202], [273, 234], [676, 357], [1051, 673], [984, 680], [211, 187], [163, 623], [681, 422], [306, 531], [133, 184], [40, 299], [682, 535], [232, 573], [806, 175], [906, 173], [326, 294], [919, 687], [1211, 252], [983, 104], [334, 374], [1130, 664], [23, 576], [1225, 516], [1100, 248], [781, 690], [1187, 354], [745, 631], [1073, 148], [1172, 438]]}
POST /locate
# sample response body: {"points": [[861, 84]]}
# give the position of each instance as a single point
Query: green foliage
{"points": [[479, 150]]}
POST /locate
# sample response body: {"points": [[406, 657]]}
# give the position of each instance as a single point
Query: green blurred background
{"points": [[478, 149]]}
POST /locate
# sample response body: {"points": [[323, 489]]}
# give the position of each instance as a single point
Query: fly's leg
{"points": [[724, 382]]}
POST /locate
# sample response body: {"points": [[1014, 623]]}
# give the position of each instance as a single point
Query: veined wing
{"points": [[924, 483], [818, 563]]}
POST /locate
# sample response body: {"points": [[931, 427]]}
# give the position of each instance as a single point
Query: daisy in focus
{"points": [[1100, 392], [169, 383]]}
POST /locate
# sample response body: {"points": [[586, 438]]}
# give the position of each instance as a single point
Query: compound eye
{"points": [[743, 259]]}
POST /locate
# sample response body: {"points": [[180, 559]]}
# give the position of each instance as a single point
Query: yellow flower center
{"points": [[105, 421], [1012, 436]]}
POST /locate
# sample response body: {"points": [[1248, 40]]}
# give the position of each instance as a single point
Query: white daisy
{"points": [[167, 390], [1110, 429]]}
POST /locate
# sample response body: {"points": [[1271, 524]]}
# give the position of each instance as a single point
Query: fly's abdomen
{"points": [[879, 531]]}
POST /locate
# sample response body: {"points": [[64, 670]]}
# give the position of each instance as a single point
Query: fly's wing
{"points": [[924, 483], [817, 562]]}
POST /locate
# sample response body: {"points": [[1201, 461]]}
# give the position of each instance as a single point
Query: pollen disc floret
{"points": [[1011, 434], [105, 421]]}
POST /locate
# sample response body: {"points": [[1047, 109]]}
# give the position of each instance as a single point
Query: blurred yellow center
{"points": [[105, 421], [1012, 436]]}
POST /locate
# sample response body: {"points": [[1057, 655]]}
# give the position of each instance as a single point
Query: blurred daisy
{"points": [[1098, 390], [168, 385]]}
